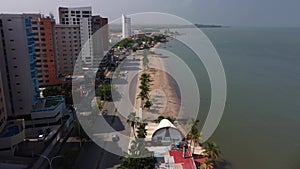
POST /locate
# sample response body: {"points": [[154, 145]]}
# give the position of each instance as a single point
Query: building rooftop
{"points": [[10, 131], [48, 103], [187, 163]]}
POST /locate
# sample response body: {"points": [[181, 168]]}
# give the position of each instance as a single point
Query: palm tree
{"points": [[142, 131], [192, 128], [213, 150], [195, 137], [145, 77], [132, 121], [207, 164], [148, 104], [158, 119], [144, 86], [143, 95]]}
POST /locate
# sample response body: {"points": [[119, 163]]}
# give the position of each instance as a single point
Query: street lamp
{"points": [[49, 160]]}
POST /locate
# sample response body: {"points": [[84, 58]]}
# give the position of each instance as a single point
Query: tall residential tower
{"points": [[126, 26], [81, 16], [18, 64]]}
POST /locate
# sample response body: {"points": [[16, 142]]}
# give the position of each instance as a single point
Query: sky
{"points": [[253, 13]]}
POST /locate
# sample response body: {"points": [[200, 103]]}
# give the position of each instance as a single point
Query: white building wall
{"points": [[126, 26], [21, 88], [86, 41], [80, 16]]}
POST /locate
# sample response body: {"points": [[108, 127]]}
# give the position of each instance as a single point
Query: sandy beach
{"points": [[162, 94]]}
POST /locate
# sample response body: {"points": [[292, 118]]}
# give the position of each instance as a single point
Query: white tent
{"points": [[166, 134]]}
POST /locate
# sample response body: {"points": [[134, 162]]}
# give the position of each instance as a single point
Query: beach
{"points": [[162, 93]]}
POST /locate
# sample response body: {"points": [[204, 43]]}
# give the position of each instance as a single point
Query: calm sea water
{"points": [[260, 127]]}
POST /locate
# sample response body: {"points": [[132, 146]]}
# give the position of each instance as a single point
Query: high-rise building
{"points": [[3, 115], [126, 26], [18, 64], [80, 16], [43, 34], [100, 38], [68, 47], [12, 132]]}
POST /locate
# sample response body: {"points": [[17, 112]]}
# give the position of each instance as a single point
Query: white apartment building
{"points": [[126, 26], [80, 16], [18, 64]]}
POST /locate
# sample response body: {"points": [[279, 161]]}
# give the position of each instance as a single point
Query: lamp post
{"points": [[49, 160]]}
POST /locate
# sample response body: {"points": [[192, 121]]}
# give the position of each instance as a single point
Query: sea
{"points": [[260, 125]]}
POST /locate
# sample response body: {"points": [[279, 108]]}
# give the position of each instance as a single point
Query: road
{"points": [[112, 122]]}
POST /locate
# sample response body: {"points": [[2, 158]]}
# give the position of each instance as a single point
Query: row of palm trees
{"points": [[134, 122], [145, 89], [212, 150]]}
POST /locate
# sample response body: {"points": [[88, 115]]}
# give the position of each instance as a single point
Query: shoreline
{"points": [[163, 89]]}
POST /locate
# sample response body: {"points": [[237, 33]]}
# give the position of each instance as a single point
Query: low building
{"points": [[47, 111], [11, 135]]}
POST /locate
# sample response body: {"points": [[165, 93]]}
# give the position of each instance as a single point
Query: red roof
{"points": [[187, 163], [201, 160]]}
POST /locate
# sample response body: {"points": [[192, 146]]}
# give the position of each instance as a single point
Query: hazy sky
{"points": [[226, 12]]}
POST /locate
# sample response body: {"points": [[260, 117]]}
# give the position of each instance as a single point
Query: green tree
{"points": [[145, 86], [145, 77], [158, 119], [144, 95], [104, 91], [60, 90], [213, 150], [207, 164], [148, 104], [132, 121], [138, 156], [141, 129]]}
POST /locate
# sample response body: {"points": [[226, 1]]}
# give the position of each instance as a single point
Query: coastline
{"points": [[163, 93]]}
